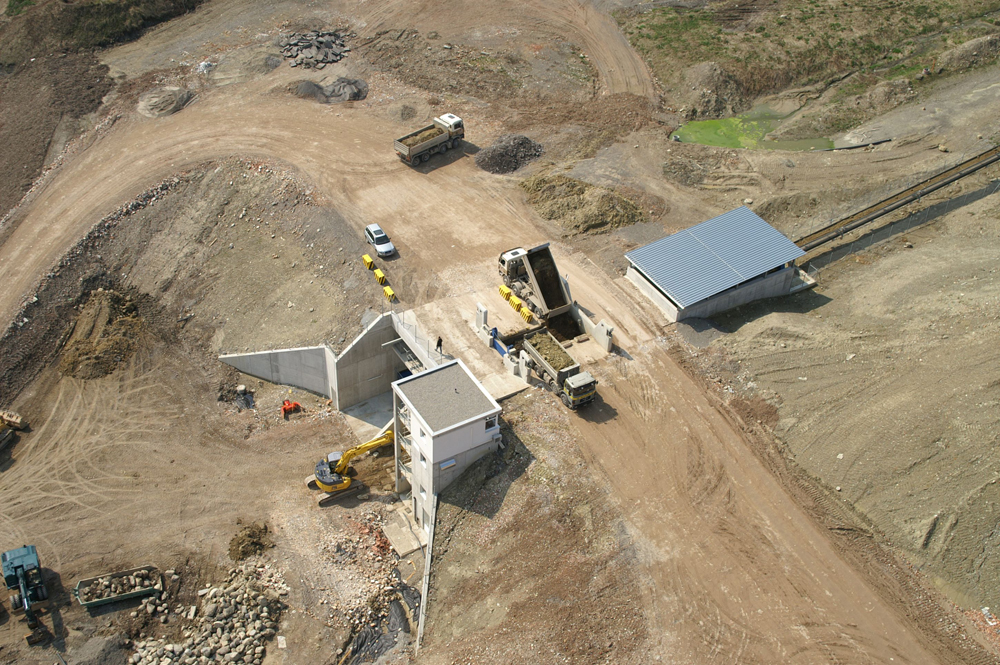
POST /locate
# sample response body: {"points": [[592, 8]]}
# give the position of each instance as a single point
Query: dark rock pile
{"points": [[341, 90], [508, 153], [314, 49]]}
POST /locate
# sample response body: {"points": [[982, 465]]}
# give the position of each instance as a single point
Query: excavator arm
{"points": [[346, 457], [332, 472]]}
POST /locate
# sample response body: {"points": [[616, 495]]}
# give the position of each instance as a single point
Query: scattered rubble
{"points": [[508, 153], [162, 102], [236, 621], [108, 586], [341, 90], [314, 49]]}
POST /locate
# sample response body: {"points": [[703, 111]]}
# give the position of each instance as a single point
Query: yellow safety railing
{"points": [[515, 302], [389, 294], [526, 314], [379, 276], [505, 292], [369, 263]]}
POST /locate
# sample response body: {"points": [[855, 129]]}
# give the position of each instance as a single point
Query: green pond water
{"points": [[746, 130]]}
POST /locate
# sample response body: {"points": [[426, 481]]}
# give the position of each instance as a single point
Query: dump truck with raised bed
{"points": [[558, 370], [532, 275], [445, 133]]}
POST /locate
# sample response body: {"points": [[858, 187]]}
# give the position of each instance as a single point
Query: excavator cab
{"points": [[327, 479], [333, 474]]}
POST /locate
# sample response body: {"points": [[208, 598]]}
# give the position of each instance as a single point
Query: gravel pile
{"points": [[508, 153], [108, 586], [314, 49], [236, 621], [341, 90]]}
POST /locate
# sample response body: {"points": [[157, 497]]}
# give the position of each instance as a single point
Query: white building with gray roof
{"points": [[444, 421], [726, 262]]}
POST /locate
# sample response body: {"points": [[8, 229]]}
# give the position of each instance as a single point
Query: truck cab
{"points": [[511, 264], [579, 389], [449, 122]]}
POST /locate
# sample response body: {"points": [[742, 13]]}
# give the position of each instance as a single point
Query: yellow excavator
{"points": [[332, 473]]}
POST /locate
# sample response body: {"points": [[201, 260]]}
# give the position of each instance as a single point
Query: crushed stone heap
{"points": [[314, 49], [508, 153], [236, 621]]}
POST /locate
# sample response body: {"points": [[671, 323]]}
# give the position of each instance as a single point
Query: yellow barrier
{"points": [[526, 315], [389, 294], [379, 276], [505, 292], [515, 302], [369, 263]]}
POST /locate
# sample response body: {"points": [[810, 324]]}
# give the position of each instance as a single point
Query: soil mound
{"points": [[252, 539], [975, 52], [714, 92], [508, 153], [105, 334], [163, 101], [579, 206], [341, 90]]}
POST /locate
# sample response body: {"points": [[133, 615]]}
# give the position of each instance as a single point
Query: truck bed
{"points": [[544, 267], [421, 136], [553, 352]]}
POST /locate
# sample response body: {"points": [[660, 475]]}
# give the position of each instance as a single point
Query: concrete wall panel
{"points": [[304, 367]]}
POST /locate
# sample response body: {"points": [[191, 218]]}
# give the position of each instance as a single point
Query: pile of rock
{"points": [[508, 153], [237, 620], [314, 49], [341, 90], [108, 586]]}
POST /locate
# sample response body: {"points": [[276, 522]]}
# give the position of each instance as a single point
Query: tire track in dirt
{"points": [[348, 157], [57, 469], [619, 67], [739, 567]]}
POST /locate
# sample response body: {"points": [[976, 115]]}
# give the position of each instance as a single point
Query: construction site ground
{"points": [[792, 487]]}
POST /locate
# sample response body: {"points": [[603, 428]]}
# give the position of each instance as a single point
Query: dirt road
{"points": [[741, 573]]}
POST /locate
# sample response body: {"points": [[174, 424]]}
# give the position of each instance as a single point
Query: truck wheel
{"points": [[424, 157], [15, 602], [566, 400], [43, 593], [444, 148]]}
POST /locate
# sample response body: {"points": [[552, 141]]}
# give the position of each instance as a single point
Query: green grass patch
{"points": [[747, 130], [15, 7], [772, 46], [95, 24]]}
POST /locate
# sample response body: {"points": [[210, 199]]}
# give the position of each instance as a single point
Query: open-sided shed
{"points": [[722, 263]]}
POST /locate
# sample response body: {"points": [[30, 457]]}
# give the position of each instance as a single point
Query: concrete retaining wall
{"points": [[366, 368], [778, 283], [306, 367]]}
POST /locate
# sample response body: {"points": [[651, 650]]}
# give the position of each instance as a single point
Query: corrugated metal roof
{"points": [[697, 263]]}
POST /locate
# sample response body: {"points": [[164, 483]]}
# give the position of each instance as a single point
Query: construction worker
{"points": [[438, 347]]}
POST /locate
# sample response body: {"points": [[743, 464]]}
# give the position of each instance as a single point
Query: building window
{"points": [[420, 433], [423, 494], [447, 464], [491, 422]]}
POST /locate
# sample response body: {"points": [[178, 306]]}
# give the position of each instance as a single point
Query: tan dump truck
{"points": [[559, 371], [444, 134]]}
